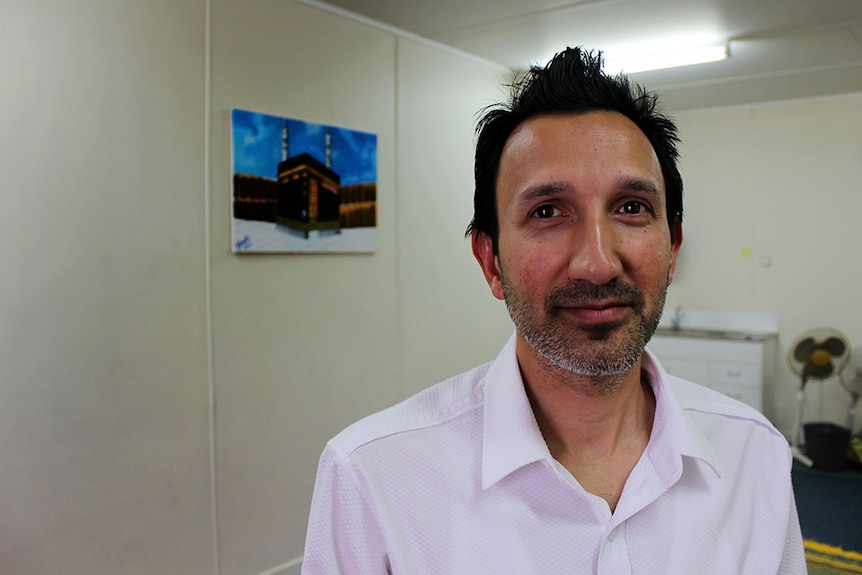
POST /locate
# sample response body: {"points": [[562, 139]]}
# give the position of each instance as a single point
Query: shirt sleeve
{"points": [[344, 535], [793, 559]]}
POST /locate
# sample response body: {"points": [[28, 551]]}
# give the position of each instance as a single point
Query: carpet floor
{"points": [[830, 514]]}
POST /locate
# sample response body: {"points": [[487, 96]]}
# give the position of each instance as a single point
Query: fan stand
{"points": [[853, 387], [801, 457], [851, 413], [795, 450]]}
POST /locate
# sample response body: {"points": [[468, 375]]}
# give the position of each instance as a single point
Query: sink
{"points": [[705, 333], [717, 324]]}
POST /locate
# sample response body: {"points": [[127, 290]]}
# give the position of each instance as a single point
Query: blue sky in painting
{"points": [[257, 146]]}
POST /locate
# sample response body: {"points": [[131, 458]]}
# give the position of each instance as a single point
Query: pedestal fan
{"points": [[851, 380], [817, 354]]}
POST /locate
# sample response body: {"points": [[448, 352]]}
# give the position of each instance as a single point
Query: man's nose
{"points": [[595, 256]]}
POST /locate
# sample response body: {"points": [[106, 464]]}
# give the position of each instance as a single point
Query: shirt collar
{"points": [[511, 437], [674, 435]]}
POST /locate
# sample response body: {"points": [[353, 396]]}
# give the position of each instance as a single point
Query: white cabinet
{"points": [[738, 365]]}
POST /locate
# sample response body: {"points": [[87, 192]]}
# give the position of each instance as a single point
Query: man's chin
{"points": [[602, 332], [585, 333]]}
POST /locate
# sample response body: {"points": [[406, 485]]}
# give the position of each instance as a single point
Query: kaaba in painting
{"points": [[301, 187]]}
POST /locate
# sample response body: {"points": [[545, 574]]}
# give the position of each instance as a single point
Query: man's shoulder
{"points": [[698, 399], [449, 400]]}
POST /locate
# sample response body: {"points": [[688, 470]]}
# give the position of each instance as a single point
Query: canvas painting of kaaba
{"points": [[301, 187]]}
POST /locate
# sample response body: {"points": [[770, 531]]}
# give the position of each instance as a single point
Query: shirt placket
{"points": [[614, 557]]}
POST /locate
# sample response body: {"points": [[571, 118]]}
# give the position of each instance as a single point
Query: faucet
{"points": [[677, 317]]}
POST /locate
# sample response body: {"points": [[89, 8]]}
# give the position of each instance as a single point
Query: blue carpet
{"points": [[830, 505]]}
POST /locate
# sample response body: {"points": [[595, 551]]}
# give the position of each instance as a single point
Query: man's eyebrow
{"points": [[549, 189], [542, 191], [640, 185]]}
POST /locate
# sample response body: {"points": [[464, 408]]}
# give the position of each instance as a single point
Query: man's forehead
{"points": [[588, 121], [560, 140]]}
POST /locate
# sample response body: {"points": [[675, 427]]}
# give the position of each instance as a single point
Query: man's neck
{"points": [[596, 428]]}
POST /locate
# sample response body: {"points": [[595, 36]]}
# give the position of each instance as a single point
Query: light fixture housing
{"points": [[632, 62]]}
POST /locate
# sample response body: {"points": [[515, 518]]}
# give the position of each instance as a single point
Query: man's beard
{"points": [[556, 338]]}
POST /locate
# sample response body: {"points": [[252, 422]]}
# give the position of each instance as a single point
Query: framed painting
{"points": [[301, 187]]}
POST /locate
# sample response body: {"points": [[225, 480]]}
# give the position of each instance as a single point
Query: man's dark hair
{"points": [[572, 83]]}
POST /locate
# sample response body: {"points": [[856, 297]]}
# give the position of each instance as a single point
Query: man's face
{"points": [[585, 254]]}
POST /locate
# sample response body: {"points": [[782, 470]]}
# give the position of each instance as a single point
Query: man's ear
{"points": [[674, 248], [483, 251]]}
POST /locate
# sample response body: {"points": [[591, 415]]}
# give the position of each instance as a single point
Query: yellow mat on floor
{"points": [[825, 559]]}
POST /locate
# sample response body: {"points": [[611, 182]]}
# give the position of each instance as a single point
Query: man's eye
{"points": [[545, 211], [634, 208]]}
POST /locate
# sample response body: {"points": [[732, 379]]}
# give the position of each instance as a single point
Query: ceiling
{"points": [[779, 49]]}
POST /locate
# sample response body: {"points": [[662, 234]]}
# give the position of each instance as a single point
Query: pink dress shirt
{"points": [[458, 480]]}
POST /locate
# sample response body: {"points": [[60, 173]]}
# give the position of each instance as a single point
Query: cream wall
{"points": [[301, 344], [782, 181], [104, 441], [448, 319], [115, 189]]}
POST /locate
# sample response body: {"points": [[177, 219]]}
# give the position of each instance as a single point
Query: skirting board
{"points": [[292, 567]]}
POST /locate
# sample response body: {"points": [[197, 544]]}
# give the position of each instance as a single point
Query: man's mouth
{"points": [[594, 313], [591, 304]]}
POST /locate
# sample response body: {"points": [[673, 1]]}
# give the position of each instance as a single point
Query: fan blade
{"points": [[804, 349], [834, 345], [819, 371]]}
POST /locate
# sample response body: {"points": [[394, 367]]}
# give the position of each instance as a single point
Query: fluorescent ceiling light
{"points": [[659, 60]]}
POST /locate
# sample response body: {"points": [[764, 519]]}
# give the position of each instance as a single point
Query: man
{"points": [[573, 452]]}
